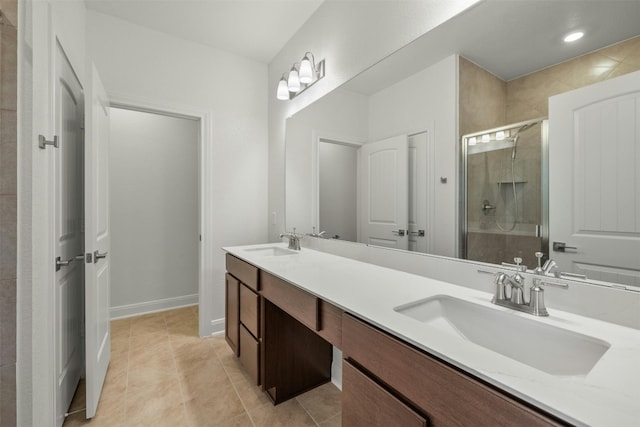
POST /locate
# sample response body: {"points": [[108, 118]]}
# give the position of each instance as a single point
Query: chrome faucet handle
{"points": [[539, 269], [500, 293], [515, 266], [536, 299], [294, 239]]}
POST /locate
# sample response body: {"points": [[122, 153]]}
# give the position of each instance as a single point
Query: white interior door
{"points": [[418, 193], [384, 192], [594, 171], [97, 242], [69, 223]]}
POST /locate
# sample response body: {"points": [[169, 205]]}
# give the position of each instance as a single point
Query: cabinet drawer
{"points": [[446, 395], [243, 271], [299, 304], [365, 403], [250, 354], [249, 309], [331, 323], [231, 312]]}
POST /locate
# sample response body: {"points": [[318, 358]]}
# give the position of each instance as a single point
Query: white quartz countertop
{"points": [[609, 395]]}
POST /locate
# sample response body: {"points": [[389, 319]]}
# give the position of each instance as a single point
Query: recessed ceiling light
{"points": [[571, 37]]}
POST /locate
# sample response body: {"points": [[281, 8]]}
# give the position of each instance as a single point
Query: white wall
{"points": [[154, 211], [427, 100], [350, 36], [341, 116], [138, 65]]}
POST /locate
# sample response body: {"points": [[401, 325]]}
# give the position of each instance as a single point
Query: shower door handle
{"points": [[562, 247]]}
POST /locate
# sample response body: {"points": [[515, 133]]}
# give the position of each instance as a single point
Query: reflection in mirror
{"points": [[505, 204], [338, 207], [452, 82]]}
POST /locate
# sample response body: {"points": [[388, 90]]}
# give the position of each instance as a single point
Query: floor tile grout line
{"points": [[175, 367], [126, 383], [307, 411], [226, 372]]}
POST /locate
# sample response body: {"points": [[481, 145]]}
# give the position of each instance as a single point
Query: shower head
{"points": [[517, 136]]}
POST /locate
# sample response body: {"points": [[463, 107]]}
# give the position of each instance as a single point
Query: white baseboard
{"points": [[217, 326], [153, 306]]}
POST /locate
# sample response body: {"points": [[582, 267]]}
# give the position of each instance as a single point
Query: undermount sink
{"points": [[553, 350], [271, 251]]}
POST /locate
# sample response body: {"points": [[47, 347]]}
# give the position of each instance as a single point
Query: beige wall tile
{"points": [[9, 9], [528, 96], [9, 65], [482, 98], [8, 395], [7, 322]]}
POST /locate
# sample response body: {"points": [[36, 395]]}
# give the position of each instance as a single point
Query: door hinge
{"points": [[42, 142]]}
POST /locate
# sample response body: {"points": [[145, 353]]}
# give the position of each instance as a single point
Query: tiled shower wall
{"points": [[487, 102], [8, 216]]}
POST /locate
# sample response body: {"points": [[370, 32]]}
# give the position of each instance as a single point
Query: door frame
{"points": [[205, 200], [317, 137]]}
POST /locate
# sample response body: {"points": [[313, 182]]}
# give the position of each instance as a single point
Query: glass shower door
{"points": [[505, 183]]}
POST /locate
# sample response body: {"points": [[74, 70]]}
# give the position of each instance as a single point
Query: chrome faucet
{"points": [[516, 284], [314, 234], [294, 239]]}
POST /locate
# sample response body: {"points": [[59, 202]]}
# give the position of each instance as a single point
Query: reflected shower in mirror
{"points": [[452, 82], [506, 199]]}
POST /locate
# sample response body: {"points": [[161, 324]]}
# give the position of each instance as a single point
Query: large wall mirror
{"points": [[441, 148]]}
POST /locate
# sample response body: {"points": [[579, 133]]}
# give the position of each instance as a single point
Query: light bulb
{"points": [[294, 80], [306, 69], [283, 89]]}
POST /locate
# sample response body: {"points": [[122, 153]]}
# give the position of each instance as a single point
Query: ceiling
{"points": [[255, 29], [510, 38]]}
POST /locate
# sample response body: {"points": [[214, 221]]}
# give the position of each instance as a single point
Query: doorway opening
{"points": [[155, 210]]}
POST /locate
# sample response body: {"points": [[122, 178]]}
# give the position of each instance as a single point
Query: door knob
{"points": [[97, 255], [562, 247], [398, 233], [417, 233], [60, 263]]}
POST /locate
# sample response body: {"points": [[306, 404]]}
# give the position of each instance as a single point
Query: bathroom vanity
{"points": [[415, 350]]}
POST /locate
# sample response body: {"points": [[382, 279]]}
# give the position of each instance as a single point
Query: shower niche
{"points": [[505, 203]]}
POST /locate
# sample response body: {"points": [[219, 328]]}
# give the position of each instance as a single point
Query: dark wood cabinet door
{"points": [[250, 310], [243, 271], [299, 304], [447, 395], [250, 355], [365, 403], [232, 310]]}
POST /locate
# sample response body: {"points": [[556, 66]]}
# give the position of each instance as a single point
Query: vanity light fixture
{"points": [[283, 88], [294, 80], [300, 77], [307, 67], [571, 37]]}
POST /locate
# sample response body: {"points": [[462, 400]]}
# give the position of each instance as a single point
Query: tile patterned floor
{"points": [[163, 374]]}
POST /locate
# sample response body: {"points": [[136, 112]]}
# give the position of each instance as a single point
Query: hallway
{"points": [[162, 374]]}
